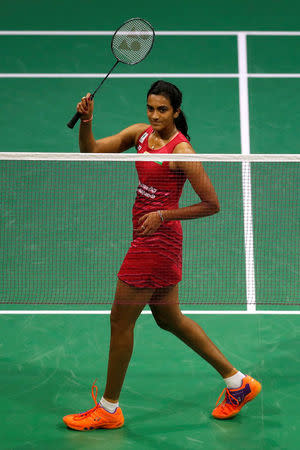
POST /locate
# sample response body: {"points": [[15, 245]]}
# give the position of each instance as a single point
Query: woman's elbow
{"points": [[215, 207]]}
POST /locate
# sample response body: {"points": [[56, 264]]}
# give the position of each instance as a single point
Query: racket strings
{"points": [[133, 41]]}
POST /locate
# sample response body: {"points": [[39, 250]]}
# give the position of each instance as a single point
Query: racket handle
{"points": [[74, 120]]}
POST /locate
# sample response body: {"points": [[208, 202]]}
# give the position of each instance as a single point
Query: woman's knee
{"points": [[123, 318], [128, 305], [120, 324], [171, 323], [162, 323]]}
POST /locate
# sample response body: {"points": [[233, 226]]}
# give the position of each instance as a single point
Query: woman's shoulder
{"points": [[140, 129], [183, 147]]}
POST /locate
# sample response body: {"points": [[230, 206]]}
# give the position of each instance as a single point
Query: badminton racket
{"points": [[130, 44]]}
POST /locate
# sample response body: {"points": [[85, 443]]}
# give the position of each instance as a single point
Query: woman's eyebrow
{"points": [[160, 106]]}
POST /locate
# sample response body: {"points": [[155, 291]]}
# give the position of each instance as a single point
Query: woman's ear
{"points": [[176, 114]]}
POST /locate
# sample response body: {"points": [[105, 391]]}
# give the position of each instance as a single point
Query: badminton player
{"points": [[152, 267]]}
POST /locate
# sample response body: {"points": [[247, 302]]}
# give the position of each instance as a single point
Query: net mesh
{"points": [[133, 41], [66, 227]]}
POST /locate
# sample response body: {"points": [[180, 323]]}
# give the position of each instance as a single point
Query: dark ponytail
{"points": [[181, 125], [174, 95]]}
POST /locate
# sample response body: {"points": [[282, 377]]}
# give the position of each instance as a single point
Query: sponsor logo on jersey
{"points": [[142, 138], [146, 191]]}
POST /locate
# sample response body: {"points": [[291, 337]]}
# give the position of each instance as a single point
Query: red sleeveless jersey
{"points": [[155, 261]]}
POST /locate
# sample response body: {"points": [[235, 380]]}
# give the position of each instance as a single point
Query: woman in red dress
{"points": [[152, 267]]}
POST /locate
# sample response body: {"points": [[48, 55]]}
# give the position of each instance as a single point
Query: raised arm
{"points": [[118, 143]]}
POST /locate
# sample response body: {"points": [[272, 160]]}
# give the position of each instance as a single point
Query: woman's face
{"points": [[160, 112]]}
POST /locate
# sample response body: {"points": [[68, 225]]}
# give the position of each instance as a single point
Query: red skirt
{"points": [[154, 261]]}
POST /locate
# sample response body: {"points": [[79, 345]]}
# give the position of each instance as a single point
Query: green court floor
{"points": [[50, 362]]}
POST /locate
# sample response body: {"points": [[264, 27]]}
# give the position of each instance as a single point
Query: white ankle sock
{"points": [[109, 406], [235, 381]]}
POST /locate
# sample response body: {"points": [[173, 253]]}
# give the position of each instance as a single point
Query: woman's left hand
{"points": [[148, 224]]}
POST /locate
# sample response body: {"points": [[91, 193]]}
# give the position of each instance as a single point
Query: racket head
{"points": [[133, 41]]}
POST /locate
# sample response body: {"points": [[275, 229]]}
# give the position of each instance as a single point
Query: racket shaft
{"points": [[76, 116], [94, 93]]}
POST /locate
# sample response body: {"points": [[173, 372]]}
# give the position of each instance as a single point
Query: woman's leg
{"points": [[165, 308], [128, 304]]}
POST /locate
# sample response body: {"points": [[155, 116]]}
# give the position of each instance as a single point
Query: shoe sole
{"points": [[93, 428]]}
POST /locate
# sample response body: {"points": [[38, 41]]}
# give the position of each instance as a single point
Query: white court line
{"points": [[110, 33], [243, 94], [119, 75], [273, 75], [246, 173], [248, 236], [272, 33], [148, 75], [158, 33], [105, 312]]}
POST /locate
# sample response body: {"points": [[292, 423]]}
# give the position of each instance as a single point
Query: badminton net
{"points": [[66, 227]]}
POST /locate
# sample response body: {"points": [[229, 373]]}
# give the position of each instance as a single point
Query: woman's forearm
{"points": [[87, 141], [202, 209]]}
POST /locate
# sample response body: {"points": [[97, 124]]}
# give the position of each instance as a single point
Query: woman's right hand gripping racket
{"points": [[130, 44], [85, 108]]}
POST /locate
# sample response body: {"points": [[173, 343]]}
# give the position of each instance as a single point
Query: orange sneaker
{"points": [[95, 418], [235, 399]]}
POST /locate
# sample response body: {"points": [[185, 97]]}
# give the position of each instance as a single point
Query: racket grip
{"points": [[74, 120]]}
